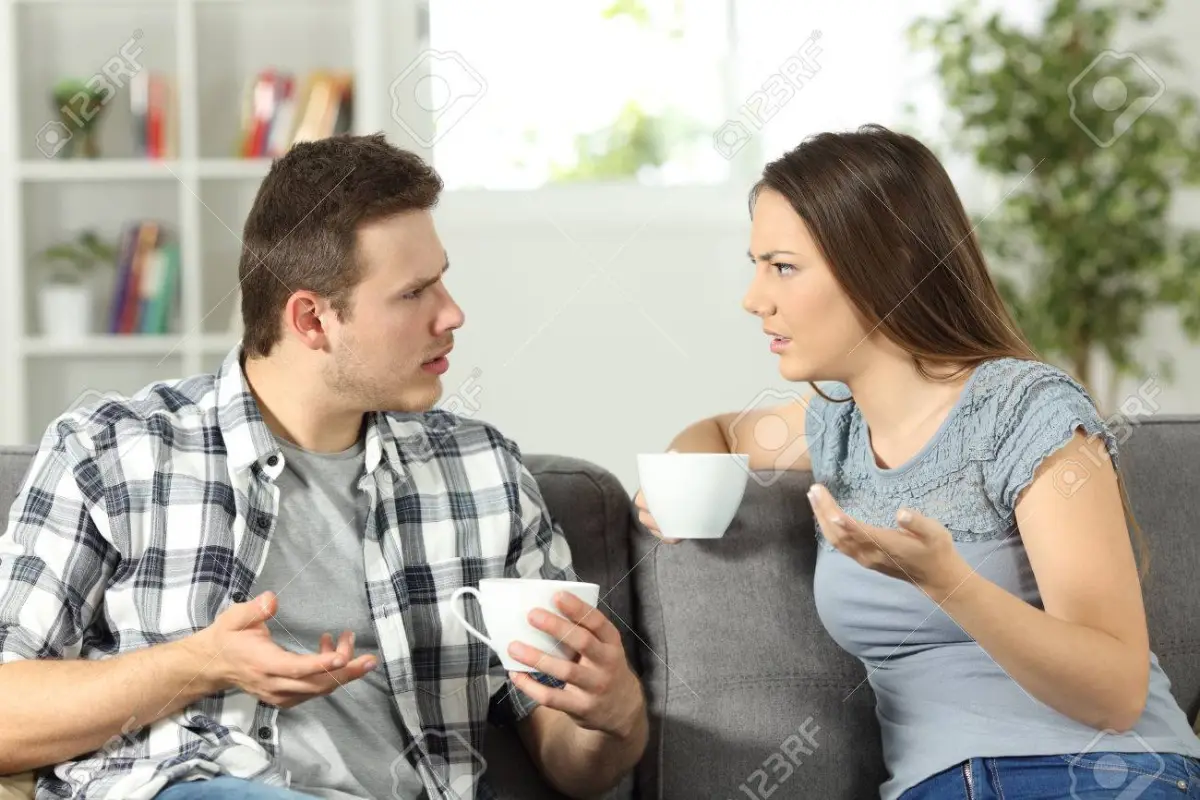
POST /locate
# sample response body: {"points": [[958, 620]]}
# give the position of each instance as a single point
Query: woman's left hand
{"points": [[920, 551]]}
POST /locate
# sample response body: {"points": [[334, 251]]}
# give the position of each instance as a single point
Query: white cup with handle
{"points": [[693, 495], [506, 603]]}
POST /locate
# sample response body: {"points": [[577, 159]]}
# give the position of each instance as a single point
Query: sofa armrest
{"points": [[17, 787]]}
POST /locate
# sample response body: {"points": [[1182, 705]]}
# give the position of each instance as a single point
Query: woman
{"points": [[971, 516]]}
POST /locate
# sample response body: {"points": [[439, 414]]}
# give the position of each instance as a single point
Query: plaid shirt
{"points": [[142, 518]]}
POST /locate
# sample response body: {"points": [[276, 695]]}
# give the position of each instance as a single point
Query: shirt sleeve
{"points": [[1043, 414], [54, 561], [541, 551]]}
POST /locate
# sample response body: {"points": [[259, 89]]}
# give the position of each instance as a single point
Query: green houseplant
{"points": [[81, 108], [65, 296], [1089, 142]]}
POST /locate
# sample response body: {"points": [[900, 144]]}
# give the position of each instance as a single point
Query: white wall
{"points": [[602, 364], [572, 363]]}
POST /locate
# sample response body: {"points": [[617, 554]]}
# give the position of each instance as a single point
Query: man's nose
{"points": [[451, 316]]}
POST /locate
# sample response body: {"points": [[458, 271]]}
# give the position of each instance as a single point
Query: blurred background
{"points": [[597, 156]]}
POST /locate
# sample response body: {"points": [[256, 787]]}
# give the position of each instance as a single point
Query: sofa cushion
{"points": [[747, 680], [1162, 470]]}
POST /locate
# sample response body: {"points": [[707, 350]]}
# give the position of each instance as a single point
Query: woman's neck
{"points": [[901, 407]]}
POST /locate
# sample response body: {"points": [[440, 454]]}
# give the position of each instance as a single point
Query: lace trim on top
{"points": [[1010, 416]]}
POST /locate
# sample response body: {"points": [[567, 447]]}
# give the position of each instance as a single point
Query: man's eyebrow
{"points": [[767, 256], [416, 284]]}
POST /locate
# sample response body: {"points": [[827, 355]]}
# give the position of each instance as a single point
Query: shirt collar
{"points": [[249, 440]]}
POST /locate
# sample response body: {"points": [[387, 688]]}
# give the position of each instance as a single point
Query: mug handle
{"points": [[454, 598]]}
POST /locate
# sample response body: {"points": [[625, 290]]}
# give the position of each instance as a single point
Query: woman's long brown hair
{"points": [[899, 242]]}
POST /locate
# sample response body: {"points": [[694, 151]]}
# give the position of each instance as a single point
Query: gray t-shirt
{"points": [[941, 699], [347, 744]]}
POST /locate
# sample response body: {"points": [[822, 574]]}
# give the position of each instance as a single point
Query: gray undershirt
{"points": [[347, 744]]}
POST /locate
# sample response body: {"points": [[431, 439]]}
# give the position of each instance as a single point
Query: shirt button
{"points": [[272, 461], [1182, 784], [264, 732], [239, 597], [263, 521]]}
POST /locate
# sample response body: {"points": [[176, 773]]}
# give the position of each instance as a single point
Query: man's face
{"points": [[401, 319]]}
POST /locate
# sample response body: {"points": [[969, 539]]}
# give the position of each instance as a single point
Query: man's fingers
{"points": [[588, 617], [572, 634], [324, 681], [286, 664], [346, 645], [587, 678], [560, 699], [254, 611]]}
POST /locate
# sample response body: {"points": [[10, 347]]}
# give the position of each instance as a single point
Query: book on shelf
{"points": [[278, 110], [152, 101], [146, 292]]}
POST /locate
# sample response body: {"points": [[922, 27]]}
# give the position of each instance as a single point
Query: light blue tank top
{"points": [[941, 699]]}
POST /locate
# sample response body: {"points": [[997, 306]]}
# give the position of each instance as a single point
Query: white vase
{"points": [[65, 310]]}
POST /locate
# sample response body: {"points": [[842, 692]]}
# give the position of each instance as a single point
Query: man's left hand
{"points": [[602, 693]]}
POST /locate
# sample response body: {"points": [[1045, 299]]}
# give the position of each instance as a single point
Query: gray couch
{"points": [[737, 668]]}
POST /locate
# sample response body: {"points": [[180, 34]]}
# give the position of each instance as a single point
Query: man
{"points": [[238, 583]]}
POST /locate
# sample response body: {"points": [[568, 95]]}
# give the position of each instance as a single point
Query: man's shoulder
{"points": [[447, 434], [100, 419]]}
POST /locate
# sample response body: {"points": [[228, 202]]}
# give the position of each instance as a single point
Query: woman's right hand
{"points": [[647, 519]]}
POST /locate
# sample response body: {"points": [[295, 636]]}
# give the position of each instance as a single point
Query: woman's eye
{"points": [[780, 268]]}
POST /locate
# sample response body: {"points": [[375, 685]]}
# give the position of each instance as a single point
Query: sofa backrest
{"points": [[752, 695]]}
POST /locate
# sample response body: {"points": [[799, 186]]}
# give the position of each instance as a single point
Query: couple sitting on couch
{"points": [[177, 564]]}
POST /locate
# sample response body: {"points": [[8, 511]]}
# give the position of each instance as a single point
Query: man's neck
{"points": [[294, 409]]}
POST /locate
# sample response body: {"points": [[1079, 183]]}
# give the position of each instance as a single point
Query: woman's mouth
{"points": [[778, 343]]}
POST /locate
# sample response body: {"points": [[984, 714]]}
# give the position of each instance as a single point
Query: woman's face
{"points": [[809, 321]]}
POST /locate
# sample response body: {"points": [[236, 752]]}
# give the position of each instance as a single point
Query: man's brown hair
{"points": [[302, 231]]}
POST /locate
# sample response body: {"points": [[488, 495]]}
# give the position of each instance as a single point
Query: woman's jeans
{"points": [[1114, 776], [228, 789]]}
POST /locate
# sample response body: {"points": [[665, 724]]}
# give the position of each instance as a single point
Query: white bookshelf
{"points": [[209, 48]]}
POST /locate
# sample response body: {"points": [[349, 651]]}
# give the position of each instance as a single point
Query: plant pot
{"points": [[65, 310]]}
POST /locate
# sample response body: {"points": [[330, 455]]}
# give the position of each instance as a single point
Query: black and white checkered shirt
{"points": [[143, 518]]}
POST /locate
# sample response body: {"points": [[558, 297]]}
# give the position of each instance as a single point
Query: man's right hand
{"points": [[237, 651]]}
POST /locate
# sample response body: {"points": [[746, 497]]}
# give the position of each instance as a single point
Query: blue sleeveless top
{"points": [[941, 699]]}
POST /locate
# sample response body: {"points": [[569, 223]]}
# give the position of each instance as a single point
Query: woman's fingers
{"points": [[646, 519]]}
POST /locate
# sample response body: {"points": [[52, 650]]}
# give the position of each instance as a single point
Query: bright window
{"points": [[663, 92], [579, 90]]}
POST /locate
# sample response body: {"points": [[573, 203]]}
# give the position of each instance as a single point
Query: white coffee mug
{"points": [[506, 603], [693, 495]]}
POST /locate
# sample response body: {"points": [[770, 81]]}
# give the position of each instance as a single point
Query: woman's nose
{"points": [[756, 302]]}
